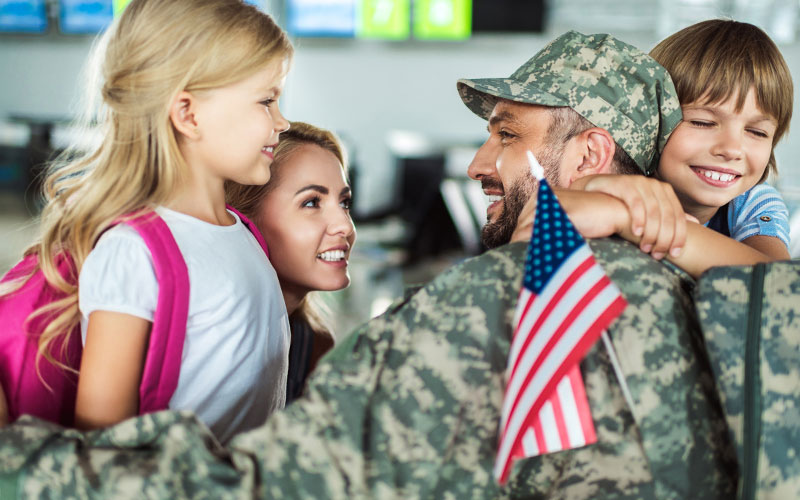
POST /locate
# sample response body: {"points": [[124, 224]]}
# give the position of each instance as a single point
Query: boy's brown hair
{"points": [[718, 59]]}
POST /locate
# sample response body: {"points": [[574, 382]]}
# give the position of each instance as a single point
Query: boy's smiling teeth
{"points": [[331, 255], [717, 176]]}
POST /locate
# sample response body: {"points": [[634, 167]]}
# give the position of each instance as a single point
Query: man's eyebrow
{"points": [[503, 116], [313, 187]]}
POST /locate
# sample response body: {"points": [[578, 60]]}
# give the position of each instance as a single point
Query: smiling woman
{"points": [[304, 214]]}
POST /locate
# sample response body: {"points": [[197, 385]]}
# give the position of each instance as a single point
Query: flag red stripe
{"points": [[543, 355], [590, 295], [558, 411], [591, 335], [539, 432], [554, 301], [584, 412]]}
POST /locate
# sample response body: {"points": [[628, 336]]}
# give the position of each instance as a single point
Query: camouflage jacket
{"points": [[752, 332], [408, 406]]}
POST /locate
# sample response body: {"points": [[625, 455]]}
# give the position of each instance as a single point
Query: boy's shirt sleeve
{"points": [[760, 211]]}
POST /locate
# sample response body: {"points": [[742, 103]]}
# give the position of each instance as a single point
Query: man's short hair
{"points": [[567, 123]]}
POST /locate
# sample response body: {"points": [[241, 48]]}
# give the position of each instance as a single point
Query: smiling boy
{"points": [[736, 95]]}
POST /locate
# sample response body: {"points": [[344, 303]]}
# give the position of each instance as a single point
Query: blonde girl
{"points": [[304, 214], [190, 94]]}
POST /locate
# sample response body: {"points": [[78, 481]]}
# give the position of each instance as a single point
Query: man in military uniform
{"points": [[408, 406]]}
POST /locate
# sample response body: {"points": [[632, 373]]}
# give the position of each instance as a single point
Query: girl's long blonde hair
{"points": [[155, 50], [247, 199]]}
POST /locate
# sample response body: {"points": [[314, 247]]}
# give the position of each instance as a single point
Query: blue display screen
{"points": [[85, 16], [321, 18], [23, 16]]}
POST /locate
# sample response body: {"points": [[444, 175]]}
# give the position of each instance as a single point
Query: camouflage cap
{"points": [[610, 83]]}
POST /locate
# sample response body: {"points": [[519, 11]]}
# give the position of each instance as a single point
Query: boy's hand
{"points": [[594, 215], [656, 215]]}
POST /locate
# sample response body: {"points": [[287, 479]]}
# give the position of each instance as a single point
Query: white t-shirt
{"points": [[235, 356]]}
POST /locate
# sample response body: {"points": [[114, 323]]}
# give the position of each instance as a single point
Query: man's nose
{"points": [[484, 162]]}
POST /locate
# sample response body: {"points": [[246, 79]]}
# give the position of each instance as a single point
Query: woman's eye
{"points": [[346, 203], [311, 203]]}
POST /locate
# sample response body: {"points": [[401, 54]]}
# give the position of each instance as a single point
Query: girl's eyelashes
{"points": [[346, 203]]}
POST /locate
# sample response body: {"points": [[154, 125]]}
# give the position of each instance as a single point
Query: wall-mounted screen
{"points": [[386, 19], [442, 19], [508, 16], [84, 16], [23, 16], [119, 6], [321, 18]]}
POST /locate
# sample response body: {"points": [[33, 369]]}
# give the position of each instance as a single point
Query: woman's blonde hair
{"points": [[717, 59], [247, 199], [155, 50]]}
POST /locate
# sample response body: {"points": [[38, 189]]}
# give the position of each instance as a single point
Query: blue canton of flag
{"points": [[565, 304]]}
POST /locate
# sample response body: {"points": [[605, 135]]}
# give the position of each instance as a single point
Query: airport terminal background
{"points": [[390, 94]]}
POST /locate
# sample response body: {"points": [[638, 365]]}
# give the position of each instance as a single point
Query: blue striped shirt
{"points": [[759, 211]]}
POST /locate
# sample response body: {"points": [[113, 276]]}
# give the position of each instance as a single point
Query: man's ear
{"points": [[596, 148], [182, 115]]}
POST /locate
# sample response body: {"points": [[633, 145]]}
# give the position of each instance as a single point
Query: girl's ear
{"points": [[182, 115]]}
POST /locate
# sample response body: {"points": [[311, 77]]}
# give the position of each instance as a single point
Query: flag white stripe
{"points": [[524, 296], [529, 443], [569, 413], [545, 372], [560, 350], [554, 321], [547, 417], [544, 298]]}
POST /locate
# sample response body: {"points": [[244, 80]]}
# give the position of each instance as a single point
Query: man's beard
{"points": [[499, 231]]}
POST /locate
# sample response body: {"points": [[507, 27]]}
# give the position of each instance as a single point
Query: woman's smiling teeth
{"points": [[331, 255]]}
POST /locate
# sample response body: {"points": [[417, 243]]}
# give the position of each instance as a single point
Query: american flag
{"points": [[565, 304]]}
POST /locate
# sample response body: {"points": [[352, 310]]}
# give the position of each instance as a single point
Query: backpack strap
{"points": [[253, 229], [165, 347]]}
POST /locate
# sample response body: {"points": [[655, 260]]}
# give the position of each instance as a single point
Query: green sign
{"points": [[119, 6], [388, 19], [442, 19]]}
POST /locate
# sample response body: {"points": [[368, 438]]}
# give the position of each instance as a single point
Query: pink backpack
{"points": [[27, 394]]}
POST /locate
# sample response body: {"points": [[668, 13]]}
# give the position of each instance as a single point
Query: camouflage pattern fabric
{"points": [[408, 406], [610, 83], [726, 297]]}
